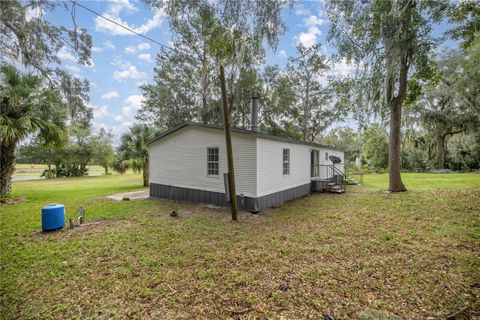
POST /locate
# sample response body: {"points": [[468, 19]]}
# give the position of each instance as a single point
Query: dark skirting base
{"points": [[217, 198]]}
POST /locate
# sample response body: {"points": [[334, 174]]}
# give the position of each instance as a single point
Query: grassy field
{"points": [[414, 254]]}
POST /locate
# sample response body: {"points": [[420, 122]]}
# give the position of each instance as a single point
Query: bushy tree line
{"points": [[71, 158]]}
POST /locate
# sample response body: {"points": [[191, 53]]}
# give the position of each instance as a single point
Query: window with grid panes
{"points": [[212, 161], [286, 161]]}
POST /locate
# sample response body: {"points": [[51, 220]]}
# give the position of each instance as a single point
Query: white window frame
{"points": [[213, 162], [286, 161], [315, 170]]}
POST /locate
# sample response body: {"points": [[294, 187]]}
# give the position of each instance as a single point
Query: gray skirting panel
{"points": [[319, 185], [217, 198]]}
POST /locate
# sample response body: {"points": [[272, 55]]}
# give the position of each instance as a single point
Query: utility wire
{"points": [[75, 3]]}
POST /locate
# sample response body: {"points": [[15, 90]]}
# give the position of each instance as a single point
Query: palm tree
{"points": [[25, 108], [133, 146]]}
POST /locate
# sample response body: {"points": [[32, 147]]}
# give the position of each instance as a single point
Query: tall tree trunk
{"points": [[205, 78], [228, 143], [394, 152], [204, 89], [306, 112], [394, 142], [7, 161], [441, 152], [49, 171], [146, 174], [396, 102], [106, 170]]}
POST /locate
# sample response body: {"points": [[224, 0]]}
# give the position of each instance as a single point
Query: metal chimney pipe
{"points": [[254, 112]]}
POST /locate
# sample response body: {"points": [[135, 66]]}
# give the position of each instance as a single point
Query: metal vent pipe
{"points": [[254, 112]]}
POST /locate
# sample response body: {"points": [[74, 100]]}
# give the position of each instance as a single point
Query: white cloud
{"points": [[282, 54], [118, 130], [131, 105], [144, 46], [342, 67], [74, 69], [109, 45], [99, 111], [313, 21], [106, 45], [129, 72], [145, 57], [302, 12], [140, 47], [65, 54], [117, 61], [130, 49], [154, 22], [113, 12], [309, 38], [110, 95], [119, 118]]}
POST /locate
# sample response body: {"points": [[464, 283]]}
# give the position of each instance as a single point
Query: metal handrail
{"points": [[343, 179], [327, 170], [331, 171]]}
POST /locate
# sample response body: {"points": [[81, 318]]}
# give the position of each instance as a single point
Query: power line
{"points": [[75, 3]]}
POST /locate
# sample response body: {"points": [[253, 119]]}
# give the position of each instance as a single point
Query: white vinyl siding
{"points": [[180, 160], [270, 161]]}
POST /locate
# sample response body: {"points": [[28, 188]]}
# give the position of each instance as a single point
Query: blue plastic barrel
{"points": [[53, 217]]}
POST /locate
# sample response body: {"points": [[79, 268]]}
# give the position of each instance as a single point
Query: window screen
{"points": [[286, 161], [326, 156], [212, 161]]}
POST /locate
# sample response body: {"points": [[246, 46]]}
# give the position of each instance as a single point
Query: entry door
{"points": [[314, 157]]}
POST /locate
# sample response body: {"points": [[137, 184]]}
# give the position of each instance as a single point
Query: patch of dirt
{"points": [[15, 200], [189, 209], [135, 195], [85, 229], [372, 314]]}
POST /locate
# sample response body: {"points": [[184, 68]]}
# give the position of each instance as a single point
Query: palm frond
{"points": [[28, 108]]}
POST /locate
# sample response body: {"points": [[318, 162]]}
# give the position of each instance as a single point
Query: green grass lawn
{"points": [[414, 254], [426, 181]]}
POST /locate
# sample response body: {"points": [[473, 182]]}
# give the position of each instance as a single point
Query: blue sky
{"points": [[123, 61]]}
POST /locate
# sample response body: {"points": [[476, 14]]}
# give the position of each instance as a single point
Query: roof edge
{"points": [[169, 131], [240, 131]]}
